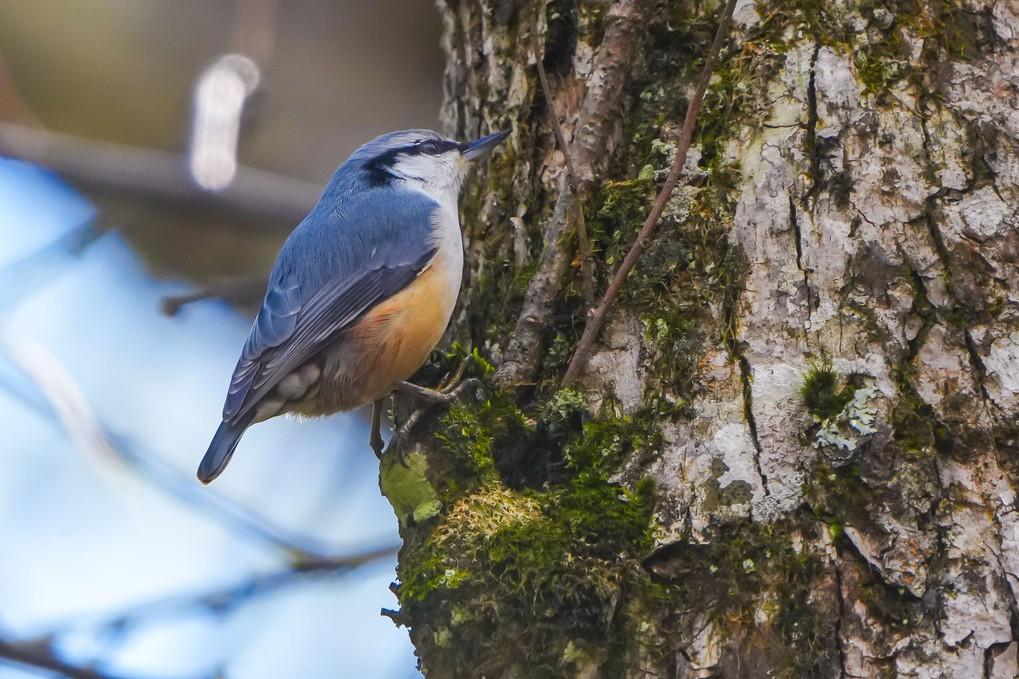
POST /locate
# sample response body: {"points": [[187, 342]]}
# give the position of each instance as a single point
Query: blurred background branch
{"points": [[39, 654], [62, 401], [225, 600], [155, 174]]}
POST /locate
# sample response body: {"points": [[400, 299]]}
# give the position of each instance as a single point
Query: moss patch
{"points": [[757, 578], [508, 573], [824, 391], [407, 488], [510, 577]]}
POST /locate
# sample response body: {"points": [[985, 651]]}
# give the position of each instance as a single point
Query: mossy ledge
{"points": [[507, 571]]}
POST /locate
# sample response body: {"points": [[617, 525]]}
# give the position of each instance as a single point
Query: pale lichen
{"points": [[858, 415]]}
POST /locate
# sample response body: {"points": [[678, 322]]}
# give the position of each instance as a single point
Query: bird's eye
{"points": [[429, 146]]}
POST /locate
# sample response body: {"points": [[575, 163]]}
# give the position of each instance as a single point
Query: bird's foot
{"points": [[428, 398], [433, 396]]}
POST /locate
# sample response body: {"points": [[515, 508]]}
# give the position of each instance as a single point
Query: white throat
{"points": [[440, 177]]}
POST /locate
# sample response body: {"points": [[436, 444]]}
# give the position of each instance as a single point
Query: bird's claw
{"points": [[433, 396], [430, 397]]}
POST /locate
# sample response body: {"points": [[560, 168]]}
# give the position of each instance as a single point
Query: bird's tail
{"points": [[221, 450]]}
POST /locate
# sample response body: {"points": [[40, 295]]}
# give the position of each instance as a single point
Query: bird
{"points": [[361, 292]]}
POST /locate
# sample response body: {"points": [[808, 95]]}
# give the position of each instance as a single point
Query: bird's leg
{"points": [[399, 441], [375, 439]]}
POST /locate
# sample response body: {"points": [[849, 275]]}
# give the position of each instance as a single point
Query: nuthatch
{"points": [[361, 292]]}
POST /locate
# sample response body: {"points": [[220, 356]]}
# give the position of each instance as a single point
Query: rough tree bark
{"points": [[796, 449]]}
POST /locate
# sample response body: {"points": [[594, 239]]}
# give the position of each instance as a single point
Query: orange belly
{"points": [[408, 325], [386, 346]]}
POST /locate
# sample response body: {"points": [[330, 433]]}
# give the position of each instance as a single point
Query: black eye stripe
{"points": [[378, 168], [432, 147]]}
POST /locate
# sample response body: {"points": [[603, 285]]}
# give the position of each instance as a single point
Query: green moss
{"points": [[615, 214], [688, 267], [878, 72], [955, 31], [825, 392], [469, 432], [948, 31], [605, 443], [446, 367], [520, 575], [558, 354], [883, 61], [550, 563], [823, 21], [750, 571], [408, 489]]}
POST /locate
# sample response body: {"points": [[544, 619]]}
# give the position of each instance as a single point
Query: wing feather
{"points": [[300, 315]]}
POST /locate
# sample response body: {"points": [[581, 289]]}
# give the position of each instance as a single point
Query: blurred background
{"points": [[155, 154]]}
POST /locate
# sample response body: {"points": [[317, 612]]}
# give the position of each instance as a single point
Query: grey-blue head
{"points": [[425, 158]]}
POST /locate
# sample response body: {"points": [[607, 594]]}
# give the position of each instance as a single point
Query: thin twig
{"points": [[225, 600], [583, 243], [23, 277], [610, 69], [38, 651], [594, 326]]}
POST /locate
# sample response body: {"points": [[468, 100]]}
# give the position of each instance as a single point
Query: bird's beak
{"points": [[476, 149]]}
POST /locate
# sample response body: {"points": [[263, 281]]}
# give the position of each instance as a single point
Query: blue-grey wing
{"points": [[274, 324], [335, 267]]}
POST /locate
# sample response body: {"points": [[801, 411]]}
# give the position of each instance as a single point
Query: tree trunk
{"points": [[795, 451]]}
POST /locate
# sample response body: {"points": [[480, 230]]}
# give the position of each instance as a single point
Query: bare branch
{"points": [[38, 652], [600, 108], [594, 326], [151, 173], [19, 279], [225, 600], [40, 655]]}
